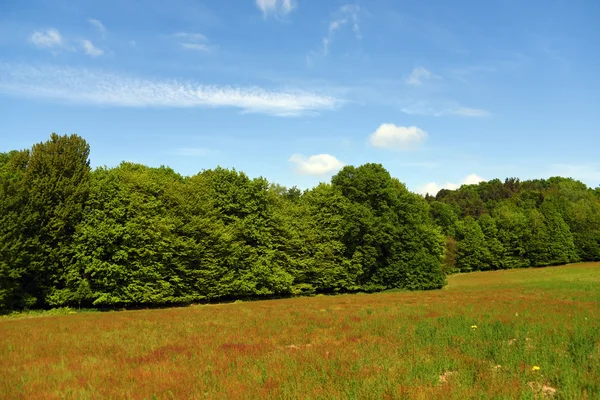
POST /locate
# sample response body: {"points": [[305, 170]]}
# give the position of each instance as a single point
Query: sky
{"points": [[442, 93]]}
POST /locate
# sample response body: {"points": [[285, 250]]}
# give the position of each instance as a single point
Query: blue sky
{"points": [[441, 93]]}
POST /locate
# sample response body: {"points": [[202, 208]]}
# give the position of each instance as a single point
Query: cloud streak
{"points": [[441, 109], [97, 87], [347, 14], [277, 7], [98, 25], [195, 46], [192, 41], [191, 37]]}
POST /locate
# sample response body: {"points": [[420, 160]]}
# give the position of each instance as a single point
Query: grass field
{"points": [[529, 333]]}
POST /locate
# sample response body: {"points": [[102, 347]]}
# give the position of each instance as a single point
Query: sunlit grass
{"points": [[506, 334]]}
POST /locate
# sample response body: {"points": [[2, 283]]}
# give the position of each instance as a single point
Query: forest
{"points": [[134, 235]]}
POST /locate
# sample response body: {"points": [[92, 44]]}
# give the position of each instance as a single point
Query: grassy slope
{"points": [[387, 345]]}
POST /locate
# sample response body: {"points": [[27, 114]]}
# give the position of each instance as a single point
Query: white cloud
{"points": [[397, 137], [90, 49], [440, 109], [276, 7], [97, 87], [319, 164], [417, 76], [346, 14], [98, 25], [433, 187], [48, 38], [472, 179]]}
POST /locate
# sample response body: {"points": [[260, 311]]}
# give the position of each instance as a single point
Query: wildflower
{"points": [[473, 327], [535, 368]]}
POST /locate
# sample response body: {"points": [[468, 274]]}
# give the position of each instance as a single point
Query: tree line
{"points": [[133, 235]]}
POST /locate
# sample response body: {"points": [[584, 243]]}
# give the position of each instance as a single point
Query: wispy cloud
{"points": [[190, 37], [192, 41], [440, 109], [97, 87], [433, 187], [347, 14], [98, 25], [469, 112], [49, 38], [275, 7], [417, 76], [395, 137], [319, 164], [90, 49], [195, 46], [52, 39]]}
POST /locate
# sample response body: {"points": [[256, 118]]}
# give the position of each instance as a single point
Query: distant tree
{"points": [[513, 226], [494, 248], [450, 256], [472, 252], [445, 216]]}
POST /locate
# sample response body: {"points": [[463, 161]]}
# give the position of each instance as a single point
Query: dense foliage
{"points": [[135, 235], [513, 224]]}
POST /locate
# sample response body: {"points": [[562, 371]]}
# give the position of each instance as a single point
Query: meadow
{"points": [[522, 333]]}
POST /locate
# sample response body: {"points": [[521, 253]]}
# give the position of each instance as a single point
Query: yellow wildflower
{"points": [[473, 327], [535, 368]]}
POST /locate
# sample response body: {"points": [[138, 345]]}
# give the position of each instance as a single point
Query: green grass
{"points": [[370, 346]]}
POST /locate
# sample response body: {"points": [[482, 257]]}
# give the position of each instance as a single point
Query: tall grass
{"points": [[509, 334]]}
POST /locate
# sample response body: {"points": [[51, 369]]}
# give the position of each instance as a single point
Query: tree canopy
{"points": [[133, 235]]}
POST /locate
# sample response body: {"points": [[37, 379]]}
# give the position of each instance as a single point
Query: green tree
{"points": [[472, 252], [389, 231], [445, 216], [48, 190], [15, 277], [513, 226], [494, 248], [247, 207], [322, 223], [130, 245]]}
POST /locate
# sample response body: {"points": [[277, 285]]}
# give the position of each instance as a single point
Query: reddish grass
{"points": [[387, 345]]}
